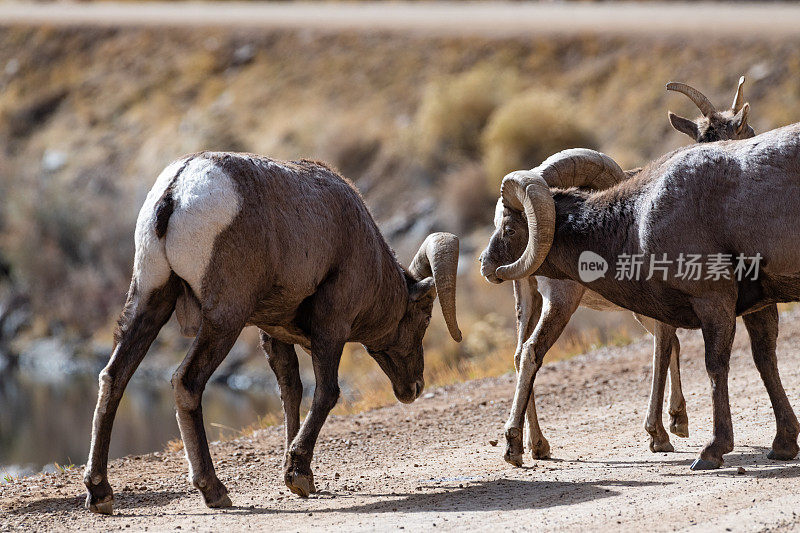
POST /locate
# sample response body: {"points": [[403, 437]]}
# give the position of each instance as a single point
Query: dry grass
{"points": [[528, 129], [174, 445], [407, 118], [454, 110]]}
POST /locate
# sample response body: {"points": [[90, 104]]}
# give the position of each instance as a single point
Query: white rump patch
{"points": [[206, 202], [150, 267]]}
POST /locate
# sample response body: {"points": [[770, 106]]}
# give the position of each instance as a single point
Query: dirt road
{"points": [[450, 18], [432, 463]]}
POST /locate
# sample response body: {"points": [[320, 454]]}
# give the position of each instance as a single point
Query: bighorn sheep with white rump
{"points": [[729, 200], [545, 305], [237, 240]]}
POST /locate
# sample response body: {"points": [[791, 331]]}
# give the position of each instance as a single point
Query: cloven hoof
{"points": [[513, 459], [301, 484], [657, 447], [703, 464], [542, 451], [106, 507], [781, 455], [679, 425], [224, 501]]}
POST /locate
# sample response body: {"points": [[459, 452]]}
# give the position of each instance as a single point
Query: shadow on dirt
{"points": [[125, 501], [496, 495], [753, 458]]}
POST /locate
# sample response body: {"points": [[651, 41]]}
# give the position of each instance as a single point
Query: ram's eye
{"points": [[509, 231]]}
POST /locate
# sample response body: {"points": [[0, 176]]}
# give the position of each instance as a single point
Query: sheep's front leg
{"points": [[763, 329], [282, 359], [718, 322], [529, 308], [326, 353], [212, 344], [537, 443], [553, 321]]}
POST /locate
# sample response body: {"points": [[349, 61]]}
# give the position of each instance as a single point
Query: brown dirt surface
{"points": [[433, 462]]}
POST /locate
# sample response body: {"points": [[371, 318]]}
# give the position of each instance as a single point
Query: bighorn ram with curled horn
{"points": [[291, 248], [724, 203], [545, 305]]}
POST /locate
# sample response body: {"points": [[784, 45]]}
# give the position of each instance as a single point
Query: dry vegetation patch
{"points": [[426, 127]]}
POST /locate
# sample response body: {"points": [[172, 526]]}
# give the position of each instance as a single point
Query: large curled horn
{"points": [[581, 167], [438, 257], [738, 100], [528, 191], [699, 99]]}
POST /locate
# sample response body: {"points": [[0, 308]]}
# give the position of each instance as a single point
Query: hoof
{"points": [[513, 459], [541, 450], [514, 449], [224, 501], [104, 507], [781, 455], [679, 429], [663, 446], [703, 464], [679, 425], [300, 484]]}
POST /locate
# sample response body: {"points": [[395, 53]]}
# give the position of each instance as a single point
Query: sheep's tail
{"points": [[165, 205], [152, 270], [187, 307]]}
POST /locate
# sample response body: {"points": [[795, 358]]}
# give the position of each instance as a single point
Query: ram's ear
{"points": [[683, 125], [740, 119], [419, 290]]}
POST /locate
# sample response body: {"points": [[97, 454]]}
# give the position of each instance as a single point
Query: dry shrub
{"points": [[466, 200], [73, 256], [528, 129], [351, 141], [454, 111]]}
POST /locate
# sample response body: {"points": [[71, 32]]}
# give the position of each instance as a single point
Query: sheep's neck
{"points": [[602, 224], [378, 323]]}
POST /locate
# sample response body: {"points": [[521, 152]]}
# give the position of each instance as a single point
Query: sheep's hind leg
{"points": [[678, 418], [141, 320], [213, 342], [718, 321], [662, 349], [283, 361], [763, 329]]}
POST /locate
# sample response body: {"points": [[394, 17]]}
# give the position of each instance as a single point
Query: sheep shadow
{"points": [[495, 495], [125, 501], [752, 458]]}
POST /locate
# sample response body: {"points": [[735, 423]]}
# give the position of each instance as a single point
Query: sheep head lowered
{"points": [[229, 240], [399, 354], [713, 125]]}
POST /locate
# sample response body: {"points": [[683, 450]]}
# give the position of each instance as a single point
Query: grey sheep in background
{"points": [[545, 306], [727, 199]]}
